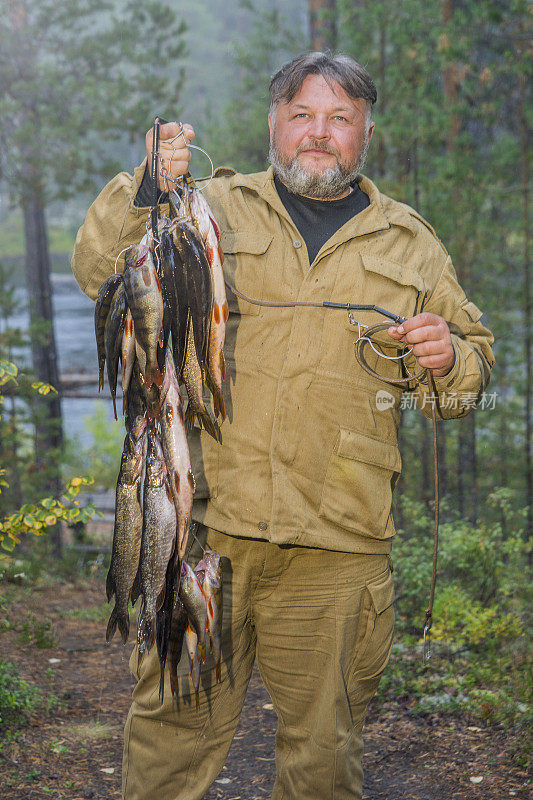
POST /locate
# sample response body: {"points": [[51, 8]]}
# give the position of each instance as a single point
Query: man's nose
{"points": [[319, 128]]}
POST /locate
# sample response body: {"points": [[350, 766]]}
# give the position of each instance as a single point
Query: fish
{"points": [[179, 623], [101, 310], [192, 597], [158, 541], [145, 300], [176, 450], [216, 365], [192, 377], [127, 355], [114, 328], [191, 639], [164, 618], [176, 286], [136, 397], [199, 285], [212, 589], [127, 531]]}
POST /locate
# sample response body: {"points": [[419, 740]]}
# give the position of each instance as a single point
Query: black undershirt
{"points": [[316, 220]]}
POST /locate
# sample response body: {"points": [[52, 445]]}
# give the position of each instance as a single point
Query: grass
{"points": [[91, 731]]}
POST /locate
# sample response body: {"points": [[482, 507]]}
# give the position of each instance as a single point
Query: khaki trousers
{"points": [[320, 624]]}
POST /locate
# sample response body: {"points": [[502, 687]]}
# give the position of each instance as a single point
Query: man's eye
{"points": [[341, 119], [300, 115]]}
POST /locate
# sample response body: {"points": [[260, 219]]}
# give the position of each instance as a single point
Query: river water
{"points": [[74, 331]]}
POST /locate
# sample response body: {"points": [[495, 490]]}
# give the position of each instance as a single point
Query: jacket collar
{"points": [[378, 216]]}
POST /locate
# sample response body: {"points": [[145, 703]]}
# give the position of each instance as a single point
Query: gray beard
{"points": [[325, 185]]}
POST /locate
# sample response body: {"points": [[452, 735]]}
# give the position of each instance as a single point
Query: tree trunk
{"points": [[450, 79], [527, 299], [323, 24], [47, 409]]}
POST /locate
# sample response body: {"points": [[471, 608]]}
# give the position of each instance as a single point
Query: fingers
{"points": [[174, 153], [429, 337]]}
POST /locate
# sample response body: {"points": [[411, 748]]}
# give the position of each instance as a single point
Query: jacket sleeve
{"points": [[112, 223], [458, 391]]}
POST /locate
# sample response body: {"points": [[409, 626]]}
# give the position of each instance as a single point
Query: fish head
{"points": [[136, 255]]}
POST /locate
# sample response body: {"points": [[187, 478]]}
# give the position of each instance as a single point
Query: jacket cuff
{"points": [[459, 390]]}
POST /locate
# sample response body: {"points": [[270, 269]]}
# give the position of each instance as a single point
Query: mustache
{"points": [[316, 144]]}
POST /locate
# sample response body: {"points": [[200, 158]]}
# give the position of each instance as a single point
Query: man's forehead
{"points": [[317, 90]]}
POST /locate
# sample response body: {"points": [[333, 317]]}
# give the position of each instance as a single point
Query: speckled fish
{"points": [[128, 530], [192, 597], [101, 310], [176, 450], [216, 365], [192, 377], [212, 589], [114, 328], [143, 292], [176, 306], [158, 540]]}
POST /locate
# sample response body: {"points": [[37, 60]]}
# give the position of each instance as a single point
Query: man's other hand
{"points": [[175, 155], [429, 336]]}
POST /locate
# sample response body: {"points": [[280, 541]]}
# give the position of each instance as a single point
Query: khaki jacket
{"points": [[308, 455]]}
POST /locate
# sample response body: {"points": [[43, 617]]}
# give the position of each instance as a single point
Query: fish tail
{"points": [[110, 587], [101, 379], [197, 699], [162, 684], [123, 625], [209, 425], [114, 405], [217, 672], [174, 683], [189, 419]]}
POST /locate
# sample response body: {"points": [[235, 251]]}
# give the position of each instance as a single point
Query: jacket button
{"points": [[262, 525], [297, 243]]}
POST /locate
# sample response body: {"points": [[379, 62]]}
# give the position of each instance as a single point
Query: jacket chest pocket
{"points": [[357, 490], [396, 288], [245, 259]]}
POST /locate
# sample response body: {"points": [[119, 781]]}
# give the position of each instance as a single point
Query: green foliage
{"points": [[241, 139], [37, 518], [38, 632], [18, 700], [102, 457], [480, 664]]}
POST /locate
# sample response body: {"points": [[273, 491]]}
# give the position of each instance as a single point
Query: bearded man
{"points": [[297, 499]]}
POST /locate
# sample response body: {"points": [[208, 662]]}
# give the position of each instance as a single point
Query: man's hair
{"points": [[344, 70]]}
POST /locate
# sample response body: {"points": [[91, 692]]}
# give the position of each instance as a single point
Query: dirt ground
{"points": [[75, 753]]}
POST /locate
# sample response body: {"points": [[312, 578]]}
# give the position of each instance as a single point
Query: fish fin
{"points": [[197, 699], [114, 405], [210, 425], [123, 626], [218, 671], [110, 585], [136, 589], [189, 419], [101, 379], [191, 479], [222, 365], [111, 625]]}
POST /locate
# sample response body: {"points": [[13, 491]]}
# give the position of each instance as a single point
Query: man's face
{"points": [[318, 138]]}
